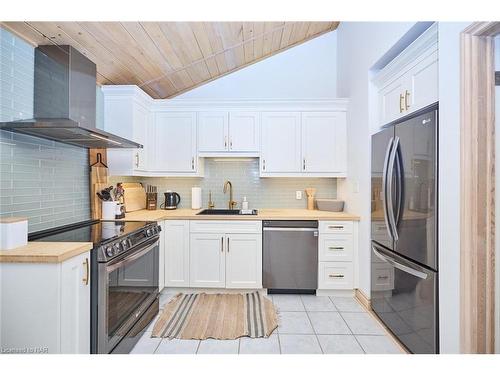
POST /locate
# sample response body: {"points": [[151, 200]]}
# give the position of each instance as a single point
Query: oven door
{"points": [[128, 285]]}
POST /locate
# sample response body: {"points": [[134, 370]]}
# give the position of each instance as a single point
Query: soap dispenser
{"points": [[244, 204]]}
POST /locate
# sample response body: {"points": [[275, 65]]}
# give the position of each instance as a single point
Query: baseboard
{"points": [[363, 299]]}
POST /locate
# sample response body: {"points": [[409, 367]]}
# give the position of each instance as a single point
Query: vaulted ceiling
{"points": [[166, 59]]}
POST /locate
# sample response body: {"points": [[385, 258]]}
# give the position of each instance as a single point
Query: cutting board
{"points": [[134, 196]]}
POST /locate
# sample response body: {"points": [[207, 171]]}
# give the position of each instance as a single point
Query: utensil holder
{"points": [[108, 210]]}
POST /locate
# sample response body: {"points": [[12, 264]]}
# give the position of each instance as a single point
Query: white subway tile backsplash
{"points": [[43, 180], [244, 175]]}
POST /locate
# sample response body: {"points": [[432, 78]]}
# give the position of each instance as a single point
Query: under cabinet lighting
{"points": [[104, 139]]}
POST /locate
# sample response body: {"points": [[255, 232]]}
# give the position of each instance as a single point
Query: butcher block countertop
{"points": [[44, 252], [263, 214]]}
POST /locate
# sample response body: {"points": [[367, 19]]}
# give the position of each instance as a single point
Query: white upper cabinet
{"points": [[410, 81], [127, 114], [307, 144], [175, 143], [213, 132], [324, 142], [280, 145], [228, 133], [244, 131]]}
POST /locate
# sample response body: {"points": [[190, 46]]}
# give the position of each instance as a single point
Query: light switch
{"points": [[298, 194]]}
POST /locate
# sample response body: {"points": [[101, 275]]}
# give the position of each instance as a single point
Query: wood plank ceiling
{"points": [[166, 59]]}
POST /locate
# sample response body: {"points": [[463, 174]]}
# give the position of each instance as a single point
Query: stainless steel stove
{"points": [[124, 278]]}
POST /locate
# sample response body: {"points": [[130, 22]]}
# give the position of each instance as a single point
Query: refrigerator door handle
{"points": [[399, 265], [384, 186], [390, 175], [400, 185]]}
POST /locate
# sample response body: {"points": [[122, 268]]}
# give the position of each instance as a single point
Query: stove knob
{"points": [[110, 251], [117, 247], [149, 232], [124, 244]]}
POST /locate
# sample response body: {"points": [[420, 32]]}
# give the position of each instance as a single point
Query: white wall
{"points": [[305, 71], [449, 185]]}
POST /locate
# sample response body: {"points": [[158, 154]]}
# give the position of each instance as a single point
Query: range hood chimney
{"points": [[65, 101]]}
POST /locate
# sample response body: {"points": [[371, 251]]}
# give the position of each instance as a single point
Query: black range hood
{"points": [[65, 101]]}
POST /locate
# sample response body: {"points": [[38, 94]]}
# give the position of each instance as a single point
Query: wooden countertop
{"points": [[263, 214], [44, 252]]}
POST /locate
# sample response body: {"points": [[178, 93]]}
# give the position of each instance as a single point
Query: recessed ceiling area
{"points": [[166, 59]]}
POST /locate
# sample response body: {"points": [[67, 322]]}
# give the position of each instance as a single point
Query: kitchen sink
{"points": [[224, 211]]}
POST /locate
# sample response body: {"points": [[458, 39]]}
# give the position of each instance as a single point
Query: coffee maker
{"points": [[172, 200]]}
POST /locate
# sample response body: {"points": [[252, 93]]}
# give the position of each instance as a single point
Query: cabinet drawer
{"points": [[382, 277], [336, 275], [335, 226], [226, 226], [335, 247]]}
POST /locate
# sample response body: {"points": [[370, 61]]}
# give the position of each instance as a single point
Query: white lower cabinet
{"points": [[243, 261], [226, 254], [45, 307], [175, 234], [207, 264], [337, 255]]}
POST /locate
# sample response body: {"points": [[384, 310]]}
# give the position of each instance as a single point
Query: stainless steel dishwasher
{"points": [[290, 256]]}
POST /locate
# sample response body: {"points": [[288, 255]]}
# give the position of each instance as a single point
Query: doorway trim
{"points": [[477, 188]]}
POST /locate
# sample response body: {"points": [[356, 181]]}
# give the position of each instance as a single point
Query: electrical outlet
{"points": [[298, 194]]}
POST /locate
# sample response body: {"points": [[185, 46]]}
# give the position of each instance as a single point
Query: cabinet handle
{"points": [[192, 163], [225, 142], [336, 227], [401, 99], [263, 164], [85, 280], [382, 277], [407, 97], [230, 144], [336, 276], [222, 244], [228, 244], [304, 164], [137, 159], [336, 248]]}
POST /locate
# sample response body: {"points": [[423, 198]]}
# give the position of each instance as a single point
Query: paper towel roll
{"points": [[196, 198]]}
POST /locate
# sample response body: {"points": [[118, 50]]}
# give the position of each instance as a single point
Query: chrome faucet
{"points": [[231, 203]]}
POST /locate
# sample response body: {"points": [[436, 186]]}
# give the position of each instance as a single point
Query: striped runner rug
{"points": [[218, 316]]}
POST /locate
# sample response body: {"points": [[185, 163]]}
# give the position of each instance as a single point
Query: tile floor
{"points": [[307, 325]]}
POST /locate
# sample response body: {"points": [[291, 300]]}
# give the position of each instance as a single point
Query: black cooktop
{"points": [[97, 231]]}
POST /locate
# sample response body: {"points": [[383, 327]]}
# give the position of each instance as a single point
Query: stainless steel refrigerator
{"points": [[404, 257]]}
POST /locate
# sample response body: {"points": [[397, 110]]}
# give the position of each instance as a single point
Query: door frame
{"points": [[477, 188]]}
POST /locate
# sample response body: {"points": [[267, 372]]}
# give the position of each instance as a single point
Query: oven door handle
{"points": [[128, 259]]}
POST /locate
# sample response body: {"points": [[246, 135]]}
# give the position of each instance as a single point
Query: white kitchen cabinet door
{"points": [[75, 304], [175, 142], [324, 139], [243, 261], [422, 83], [280, 143], [391, 101], [141, 127], [213, 132], [207, 261], [244, 131], [176, 236]]}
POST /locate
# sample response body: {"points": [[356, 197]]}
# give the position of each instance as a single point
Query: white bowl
{"points": [[330, 205]]}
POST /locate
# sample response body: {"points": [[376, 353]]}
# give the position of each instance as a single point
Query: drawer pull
{"points": [[336, 248], [336, 226], [336, 276], [382, 277]]}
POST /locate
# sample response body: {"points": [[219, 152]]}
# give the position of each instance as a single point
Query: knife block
{"points": [[151, 201]]}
